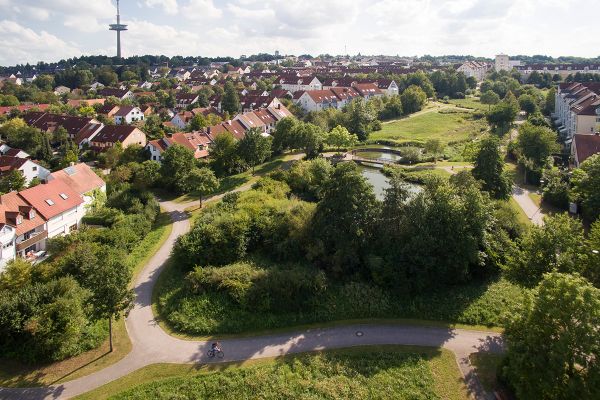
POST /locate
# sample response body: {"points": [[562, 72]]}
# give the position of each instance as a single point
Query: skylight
{"points": [[63, 196], [49, 202]]}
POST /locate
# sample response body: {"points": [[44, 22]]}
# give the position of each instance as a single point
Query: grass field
{"points": [[17, 374], [232, 182], [469, 102], [480, 304], [375, 372], [447, 125]]}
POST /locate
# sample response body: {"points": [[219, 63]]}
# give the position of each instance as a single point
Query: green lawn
{"points": [[235, 181], [469, 102], [18, 374], [480, 304], [447, 125], [374, 372]]}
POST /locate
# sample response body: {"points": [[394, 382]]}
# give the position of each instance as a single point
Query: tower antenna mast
{"points": [[118, 27]]}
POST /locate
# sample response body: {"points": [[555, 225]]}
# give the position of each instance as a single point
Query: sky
{"points": [[49, 30]]}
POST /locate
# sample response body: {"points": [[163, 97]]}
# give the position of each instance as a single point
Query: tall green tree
{"points": [[340, 137], [435, 147], [109, 281], [559, 245], [308, 137], [282, 136], [489, 169], [535, 145], [359, 116], [230, 102], [13, 181], [553, 346], [224, 155], [413, 99], [202, 181], [254, 148], [177, 163], [586, 187], [343, 221], [490, 98], [501, 116]]}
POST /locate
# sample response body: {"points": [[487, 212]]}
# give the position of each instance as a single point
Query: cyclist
{"points": [[216, 347]]}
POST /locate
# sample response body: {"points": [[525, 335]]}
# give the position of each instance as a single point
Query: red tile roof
{"points": [[52, 198], [12, 204], [586, 146], [79, 177]]}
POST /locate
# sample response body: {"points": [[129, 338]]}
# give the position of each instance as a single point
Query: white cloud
{"points": [[169, 6], [22, 45], [200, 10]]}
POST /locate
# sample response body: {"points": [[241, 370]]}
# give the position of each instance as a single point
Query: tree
{"points": [[13, 181], [549, 103], [198, 122], [282, 136], [490, 98], [553, 346], [559, 246], [489, 168], [254, 148], [147, 175], [224, 155], [202, 181], [527, 104], [586, 187], [343, 221], [339, 137], [231, 100], [177, 162], [535, 145], [109, 281], [308, 137], [501, 116], [413, 99], [113, 155], [434, 147], [359, 116]]}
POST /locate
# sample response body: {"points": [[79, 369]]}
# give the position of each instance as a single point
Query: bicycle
{"points": [[215, 353]]}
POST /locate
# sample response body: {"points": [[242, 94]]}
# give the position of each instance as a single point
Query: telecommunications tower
{"points": [[118, 27]]}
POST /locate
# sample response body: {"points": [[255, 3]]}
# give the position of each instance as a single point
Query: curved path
{"points": [[150, 344]]}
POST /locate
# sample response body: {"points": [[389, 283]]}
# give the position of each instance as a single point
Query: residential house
{"points": [[293, 83], [198, 142], [61, 90], [577, 109], [109, 110], [28, 168], [82, 179], [368, 90], [84, 102], [121, 94], [128, 115], [47, 122], [58, 204], [474, 69], [6, 150], [109, 135], [23, 230], [96, 86], [23, 108], [316, 100], [583, 147], [183, 100]]}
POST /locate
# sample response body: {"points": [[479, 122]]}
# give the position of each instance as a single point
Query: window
{"points": [[63, 196], [49, 202], [34, 169]]}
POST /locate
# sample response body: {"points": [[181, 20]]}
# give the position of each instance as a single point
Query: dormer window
{"points": [[49, 202]]}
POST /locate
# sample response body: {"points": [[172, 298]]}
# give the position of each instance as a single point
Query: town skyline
{"points": [[49, 31]]}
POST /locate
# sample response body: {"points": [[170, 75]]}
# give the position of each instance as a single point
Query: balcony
{"points": [[36, 237]]}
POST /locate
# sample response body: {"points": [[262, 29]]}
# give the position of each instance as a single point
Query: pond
{"points": [[380, 182], [379, 155]]}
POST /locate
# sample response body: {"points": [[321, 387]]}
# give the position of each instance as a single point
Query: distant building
{"points": [[502, 63], [474, 69]]}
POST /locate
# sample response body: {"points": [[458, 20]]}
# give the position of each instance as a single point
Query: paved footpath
{"points": [[150, 344]]}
